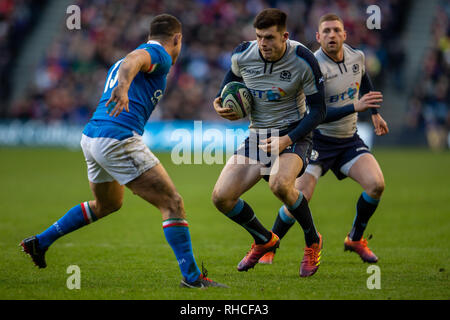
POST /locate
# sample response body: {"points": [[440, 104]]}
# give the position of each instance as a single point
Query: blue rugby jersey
{"points": [[146, 89]]}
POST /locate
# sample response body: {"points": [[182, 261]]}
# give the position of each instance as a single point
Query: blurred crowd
{"points": [[17, 17], [429, 106], [69, 81]]}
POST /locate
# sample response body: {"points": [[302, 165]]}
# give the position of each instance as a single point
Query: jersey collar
{"points": [[154, 42], [337, 62]]}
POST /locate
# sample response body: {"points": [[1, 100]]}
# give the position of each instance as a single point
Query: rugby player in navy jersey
{"points": [[116, 155], [336, 144], [283, 76]]}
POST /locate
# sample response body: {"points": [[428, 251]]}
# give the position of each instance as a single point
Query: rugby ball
{"points": [[236, 96]]}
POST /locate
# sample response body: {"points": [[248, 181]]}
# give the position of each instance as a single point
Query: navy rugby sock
{"points": [[282, 223], [300, 210], [75, 218], [177, 235], [243, 214], [365, 207]]}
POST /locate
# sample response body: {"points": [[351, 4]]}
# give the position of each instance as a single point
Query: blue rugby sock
{"points": [[282, 223], [365, 207], [177, 235], [74, 219]]}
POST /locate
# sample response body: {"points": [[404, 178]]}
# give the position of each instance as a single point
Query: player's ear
{"points": [[177, 39], [345, 35], [318, 37], [285, 35]]}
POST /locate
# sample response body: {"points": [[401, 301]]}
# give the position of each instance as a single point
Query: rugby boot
{"points": [[31, 247], [202, 282], [361, 248], [268, 257], [257, 251], [311, 259]]}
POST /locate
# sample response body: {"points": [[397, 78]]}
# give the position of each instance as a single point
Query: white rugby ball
{"points": [[236, 96]]}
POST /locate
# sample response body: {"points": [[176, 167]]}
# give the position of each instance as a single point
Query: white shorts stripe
{"points": [[315, 170], [346, 167]]}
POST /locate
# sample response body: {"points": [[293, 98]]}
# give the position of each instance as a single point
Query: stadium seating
{"points": [[429, 107], [68, 83], [17, 18]]}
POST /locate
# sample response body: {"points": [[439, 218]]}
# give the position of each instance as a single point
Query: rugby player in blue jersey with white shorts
{"points": [[336, 143], [116, 155]]}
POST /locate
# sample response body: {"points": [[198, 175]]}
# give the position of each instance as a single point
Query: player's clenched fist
{"points": [[118, 101], [226, 113]]}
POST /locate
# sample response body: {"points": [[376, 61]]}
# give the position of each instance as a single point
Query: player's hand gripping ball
{"points": [[236, 96]]}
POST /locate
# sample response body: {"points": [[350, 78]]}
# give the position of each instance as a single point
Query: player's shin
{"points": [[75, 218], [301, 212], [365, 208], [282, 223], [177, 235]]}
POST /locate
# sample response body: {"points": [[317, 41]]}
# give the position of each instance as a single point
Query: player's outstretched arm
{"points": [[135, 61], [370, 100]]}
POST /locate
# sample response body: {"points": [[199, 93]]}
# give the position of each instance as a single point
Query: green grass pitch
{"points": [[125, 255]]}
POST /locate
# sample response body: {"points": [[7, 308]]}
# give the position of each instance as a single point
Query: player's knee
{"points": [[175, 203], [280, 187], [222, 202], [376, 188]]}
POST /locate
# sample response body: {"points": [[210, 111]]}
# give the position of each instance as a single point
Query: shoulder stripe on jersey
{"points": [[241, 47], [306, 55], [152, 68], [352, 47]]}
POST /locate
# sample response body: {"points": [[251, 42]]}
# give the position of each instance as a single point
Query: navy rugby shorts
{"points": [[249, 148], [337, 154]]}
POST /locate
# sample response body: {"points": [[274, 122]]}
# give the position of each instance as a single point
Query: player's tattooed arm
{"points": [[135, 61]]}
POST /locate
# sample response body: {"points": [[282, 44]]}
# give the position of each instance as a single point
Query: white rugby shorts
{"points": [[109, 159]]}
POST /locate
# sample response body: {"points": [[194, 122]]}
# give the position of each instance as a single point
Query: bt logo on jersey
{"points": [[350, 94], [274, 94]]}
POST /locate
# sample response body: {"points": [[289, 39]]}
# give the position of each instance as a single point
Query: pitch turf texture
{"points": [[125, 255]]}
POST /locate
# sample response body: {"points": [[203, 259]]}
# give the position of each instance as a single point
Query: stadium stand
{"points": [[17, 18], [68, 82], [428, 109]]}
